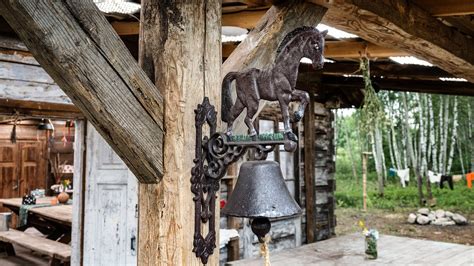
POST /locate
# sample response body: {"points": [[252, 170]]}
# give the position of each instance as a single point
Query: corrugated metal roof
{"points": [[117, 7]]}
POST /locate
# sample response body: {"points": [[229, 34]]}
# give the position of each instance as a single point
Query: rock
{"points": [[440, 213], [448, 223], [432, 216], [441, 221], [421, 219], [459, 219], [411, 218], [448, 214], [424, 211]]}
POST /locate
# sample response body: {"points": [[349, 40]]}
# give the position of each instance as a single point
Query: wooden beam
{"points": [[20, 108], [7, 55], [340, 49], [446, 7], [126, 27], [180, 52], [423, 86], [464, 24], [385, 69], [24, 72], [244, 19], [11, 43], [259, 48], [406, 27], [78, 48], [353, 49]]}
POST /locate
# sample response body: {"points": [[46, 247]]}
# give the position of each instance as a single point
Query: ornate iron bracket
{"points": [[214, 153]]}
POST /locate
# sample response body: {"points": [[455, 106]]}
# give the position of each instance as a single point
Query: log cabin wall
{"points": [[324, 170]]}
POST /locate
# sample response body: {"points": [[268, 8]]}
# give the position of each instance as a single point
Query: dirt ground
{"points": [[395, 223]]}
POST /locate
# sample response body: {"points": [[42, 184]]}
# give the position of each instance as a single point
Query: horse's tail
{"points": [[227, 96]]}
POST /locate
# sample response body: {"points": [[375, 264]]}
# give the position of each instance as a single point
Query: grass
{"points": [[349, 195]]}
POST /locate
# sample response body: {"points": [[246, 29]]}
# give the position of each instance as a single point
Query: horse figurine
{"points": [[276, 82]]}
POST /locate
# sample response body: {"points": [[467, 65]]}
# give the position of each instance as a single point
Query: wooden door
{"points": [[110, 210], [8, 171], [32, 168]]}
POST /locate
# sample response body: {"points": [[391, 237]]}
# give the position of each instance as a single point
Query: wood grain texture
{"points": [[309, 178], [259, 48], [41, 245], [79, 49], [180, 52], [401, 25], [77, 231], [340, 49], [39, 109], [447, 7]]}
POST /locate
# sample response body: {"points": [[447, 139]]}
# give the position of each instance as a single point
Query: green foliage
{"points": [[349, 194], [372, 111]]}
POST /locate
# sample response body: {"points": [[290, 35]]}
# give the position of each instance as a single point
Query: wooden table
{"points": [[54, 221]]}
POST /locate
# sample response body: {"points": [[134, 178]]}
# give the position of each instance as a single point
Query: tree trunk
{"points": [[180, 51], [396, 151], [75, 44], [351, 153], [453, 136], [423, 144], [444, 139], [390, 150], [440, 133], [411, 153], [433, 146], [379, 158]]}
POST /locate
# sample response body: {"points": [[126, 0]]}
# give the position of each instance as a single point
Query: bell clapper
{"points": [[261, 227]]}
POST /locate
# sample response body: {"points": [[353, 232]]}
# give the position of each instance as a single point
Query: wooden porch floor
{"points": [[349, 250]]}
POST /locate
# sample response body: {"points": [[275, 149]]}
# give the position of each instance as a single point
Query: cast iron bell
{"points": [[261, 193]]}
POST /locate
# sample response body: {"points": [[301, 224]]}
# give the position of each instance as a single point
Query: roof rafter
{"points": [[392, 24]]}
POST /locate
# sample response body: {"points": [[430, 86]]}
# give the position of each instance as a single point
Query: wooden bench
{"points": [[58, 252]]}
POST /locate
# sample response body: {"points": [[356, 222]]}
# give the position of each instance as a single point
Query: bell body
{"points": [[261, 192]]}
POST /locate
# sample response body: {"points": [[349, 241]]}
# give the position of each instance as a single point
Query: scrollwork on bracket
{"points": [[214, 153]]}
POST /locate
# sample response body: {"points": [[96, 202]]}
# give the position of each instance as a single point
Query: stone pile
{"points": [[439, 217]]}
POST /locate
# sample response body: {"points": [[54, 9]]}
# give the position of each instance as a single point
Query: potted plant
{"points": [[371, 237]]}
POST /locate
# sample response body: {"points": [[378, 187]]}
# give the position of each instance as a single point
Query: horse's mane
{"points": [[292, 35]]}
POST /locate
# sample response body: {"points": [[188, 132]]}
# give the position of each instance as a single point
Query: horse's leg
{"points": [[303, 97], [284, 100], [235, 111], [251, 111]]}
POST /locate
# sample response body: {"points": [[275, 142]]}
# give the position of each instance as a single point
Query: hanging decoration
{"points": [[372, 111], [13, 133]]}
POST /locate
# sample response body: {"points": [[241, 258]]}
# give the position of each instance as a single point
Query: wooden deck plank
{"points": [[41, 245], [349, 250]]}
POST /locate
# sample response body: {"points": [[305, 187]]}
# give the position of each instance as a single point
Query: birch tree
{"points": [[433, 146], [411, 152], [453, 136], [444, 135]]}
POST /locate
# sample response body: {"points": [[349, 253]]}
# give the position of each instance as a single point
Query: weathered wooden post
{"points": [[180, 50]]}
